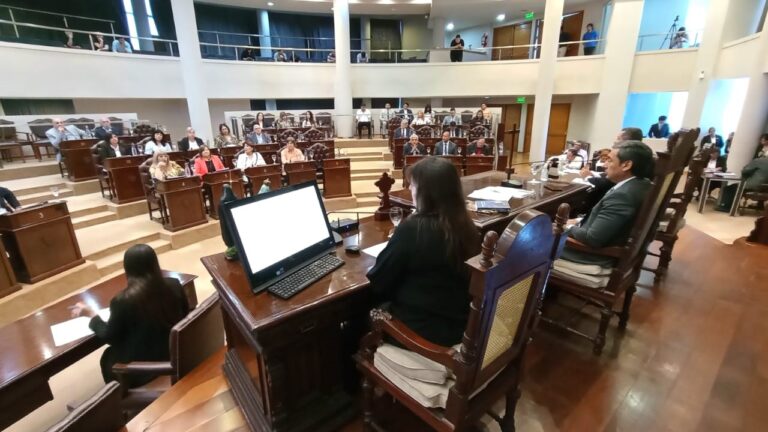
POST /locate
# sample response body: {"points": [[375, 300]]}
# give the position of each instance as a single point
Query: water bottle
{"points": [[134, 150], [545, 172], [554, 169], [187, 170], [141, 149], [88, 133]]}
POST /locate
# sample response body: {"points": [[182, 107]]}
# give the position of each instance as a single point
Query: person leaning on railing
{"points": [[247, 55], [121, 45], [98, 42]]}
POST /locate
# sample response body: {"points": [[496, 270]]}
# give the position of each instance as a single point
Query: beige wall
{"points": [[416, 35], [171, 113], [219, 106]]}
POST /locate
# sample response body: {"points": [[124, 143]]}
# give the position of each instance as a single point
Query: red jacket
{"points": [[201, 169]]}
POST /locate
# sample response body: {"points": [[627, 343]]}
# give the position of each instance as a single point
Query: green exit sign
{"points": [[529, 15], [521, 99]]}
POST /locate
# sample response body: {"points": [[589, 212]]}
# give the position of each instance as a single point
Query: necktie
{"points": [[445, 148]]}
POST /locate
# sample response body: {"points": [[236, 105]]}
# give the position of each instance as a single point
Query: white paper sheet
{"points": [[74, 329], [499, 193], [375, 250]]}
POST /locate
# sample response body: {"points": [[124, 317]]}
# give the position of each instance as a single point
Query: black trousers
{"points": [[6, 196], [361, 125], [589, 50]]}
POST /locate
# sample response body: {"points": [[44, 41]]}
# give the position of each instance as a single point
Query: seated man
{"points": [[579, 147], [280, 56], [190, 142], [384, 116], [660, 129], [452, 119], [406, 112], [414, 147], [629, 166], [404, 131], [573, 160], [259, 137], [479, 148], [105, 129], [755, 175], [59, 133], [712, 139], [363, 118], [445, 147], [111, 147]]}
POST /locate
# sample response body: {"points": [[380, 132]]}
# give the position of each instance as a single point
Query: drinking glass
{"points": [[274, 158], [55, 191], [535, 171], [396, 215]]}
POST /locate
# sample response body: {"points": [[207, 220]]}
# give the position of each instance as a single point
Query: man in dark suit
{"points": [[414, 147], [660, 129], [712, 139], [111, 147], [190, 142], [258, 136], [755, 174], [629, 166], [404, 131], [479, 148], [445, 147], [105, 129], [406, 113]]}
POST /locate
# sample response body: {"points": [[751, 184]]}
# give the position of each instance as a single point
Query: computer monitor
{"points": [[279, 231]]}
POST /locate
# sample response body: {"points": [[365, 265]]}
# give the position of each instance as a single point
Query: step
{"points": [[93, 219], [32, 185], [366, 158], [377, 171], [96, 242], [114, 262], [44, 196], [366, 176], [355, 143], [367, 201], [362, 151], [82, 205], [31, 168]]}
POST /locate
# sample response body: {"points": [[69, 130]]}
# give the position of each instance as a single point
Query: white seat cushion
{"points": [[592, 276], [410, 365], [428, 394]]}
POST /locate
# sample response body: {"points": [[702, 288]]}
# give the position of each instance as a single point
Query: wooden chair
{"points": [[759, 195], [247, 122], [287, 133], [466, 116], [673, 219], [620, 283], [101, 412], [143, 129], [269, 120], [193, 339], [38, 127], [393, 124], [323, 119], [117, 125], [105, 181], [314, 135], [154, 200], [477, 132], [507, 282], [424, 132]]}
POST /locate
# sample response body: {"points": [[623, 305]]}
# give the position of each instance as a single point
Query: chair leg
{"points": [[508, 422], [624, 315], [665, 257], [605, 318], [367, 406]]}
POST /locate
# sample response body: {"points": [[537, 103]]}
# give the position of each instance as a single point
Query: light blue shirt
{"points": [[151, 147], [125, 49], [71, 132]]}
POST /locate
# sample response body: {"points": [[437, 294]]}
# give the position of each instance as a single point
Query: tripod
{"points": [[670, 34]]}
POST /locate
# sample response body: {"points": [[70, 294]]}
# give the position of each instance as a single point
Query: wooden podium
{"points": [[214, 184], [257, 175], [126, 181], [478, 164], [300, 172], [183, 199], [77, 157], [40, 241], [8, 283], [337, 178]]}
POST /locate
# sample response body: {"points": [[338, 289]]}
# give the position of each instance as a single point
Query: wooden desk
{"points": [[227, 155], [30, 357], [478, 164], [183, 197], [257, 175], [546, 198], [269, 152], [429, 144], [77, 157], [337, 178], [8, 283], [300, 172], [214, 183], [126, 181], [41, 241], [457, 161], [289, 361]]}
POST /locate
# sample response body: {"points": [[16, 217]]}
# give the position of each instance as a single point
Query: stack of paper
{"points": [[499, 193], [375, 250], [74, 329]]}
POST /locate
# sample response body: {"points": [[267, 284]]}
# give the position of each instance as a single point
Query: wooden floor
{"points": [[694, 358]]}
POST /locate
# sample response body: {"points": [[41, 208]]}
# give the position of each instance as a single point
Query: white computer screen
{"points": [[275, 228]]}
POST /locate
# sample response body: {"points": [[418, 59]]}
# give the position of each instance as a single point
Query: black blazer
{"points": [[439, 148], [101, 133], [654, 132], [106, 151], [184, 143], [718, 142], [408, 149], [406, 113], [399, 133], [133, 338], [473, 147]]}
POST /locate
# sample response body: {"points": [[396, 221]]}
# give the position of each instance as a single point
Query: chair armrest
{"points": [[140, 367], [384, 323], [612, 251]]}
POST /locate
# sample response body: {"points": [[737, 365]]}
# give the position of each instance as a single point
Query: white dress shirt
{"points": [[151, 147], [363, 116], [244, 161]]}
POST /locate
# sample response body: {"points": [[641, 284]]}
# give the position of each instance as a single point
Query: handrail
{"points": [[57, 14], [87, 32], [273, 36]]}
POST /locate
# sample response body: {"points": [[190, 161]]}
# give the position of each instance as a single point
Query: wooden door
{"points": [[572, 26], [558, 128], [522, 36], [503, 36], [510, 115]]}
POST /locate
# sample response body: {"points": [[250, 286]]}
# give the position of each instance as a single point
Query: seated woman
{"points": [[205, 162], [225, 138], [420, 275], [163, 167], [290, 153], [420, 120], [478, 119], [141, 316], [309, 120], [156, 143], [249, 157]]}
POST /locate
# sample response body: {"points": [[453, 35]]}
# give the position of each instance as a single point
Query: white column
{"points": [[191, 65], [621, 41], [265, 40], [365, 35], [438, 32], [343, 87], [755, 112], [706, 60], [545, 83]]}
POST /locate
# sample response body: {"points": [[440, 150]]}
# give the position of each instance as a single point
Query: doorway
{"points": [[559, 115], [512, 35]]}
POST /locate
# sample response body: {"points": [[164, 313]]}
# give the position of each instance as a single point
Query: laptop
{"points": [[284, 239]]}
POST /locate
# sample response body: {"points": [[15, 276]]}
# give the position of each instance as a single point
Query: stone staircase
{"points": [[369, 159]]}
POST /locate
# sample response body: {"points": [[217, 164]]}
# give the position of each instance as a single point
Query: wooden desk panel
{"points": [[257, 175], [41, 241], [77, 157], [337, 178], [478, 164], [300, 172], [183, 197], [214, 183], [227, 155], [29, 357], [8, 283], [126, 179]]}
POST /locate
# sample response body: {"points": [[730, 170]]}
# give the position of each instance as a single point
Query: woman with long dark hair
{"points": [[420, 275], [141, 316]]}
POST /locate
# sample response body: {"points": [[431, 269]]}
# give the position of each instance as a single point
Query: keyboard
{"points": [[290, 285]]}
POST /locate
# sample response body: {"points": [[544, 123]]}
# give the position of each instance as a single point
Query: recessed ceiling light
{"points": [[449, 26], [270, 4], [500, 17]]}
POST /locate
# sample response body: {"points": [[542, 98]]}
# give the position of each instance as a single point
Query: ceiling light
{"points": [[449, 26], [270, 4], [500, 17]]}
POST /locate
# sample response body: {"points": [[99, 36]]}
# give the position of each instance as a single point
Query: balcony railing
{"points": [[17, 14], [664, 41]]}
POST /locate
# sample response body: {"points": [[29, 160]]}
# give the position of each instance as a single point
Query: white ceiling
{"points": [[356, 7], [469, 13]]}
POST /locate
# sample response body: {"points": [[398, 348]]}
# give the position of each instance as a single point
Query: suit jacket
{"points": [[406, 113], [756, 173], [101, 133], [654, 132], [718, 142], [201, 168], [472, 148], [610, 221], [439, 148], [408, 149], [184, 143], [399, 133], [106, 151], [261, 138]]}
